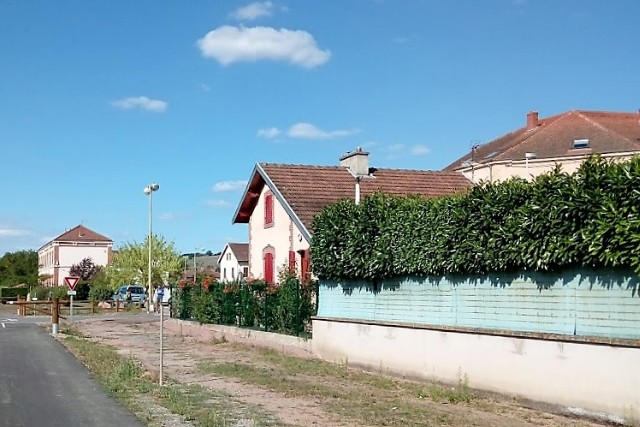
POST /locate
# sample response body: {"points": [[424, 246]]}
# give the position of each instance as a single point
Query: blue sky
{"points": [[100, 98]]}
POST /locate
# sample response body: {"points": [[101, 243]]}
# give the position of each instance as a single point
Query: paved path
{"points": [[42, 384]]}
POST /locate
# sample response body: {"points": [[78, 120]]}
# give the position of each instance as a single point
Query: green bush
{"points": [[589, 218], [13, 293], [100, 292]]}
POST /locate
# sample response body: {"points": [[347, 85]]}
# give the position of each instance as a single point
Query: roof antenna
{"points": [[474, 146]]}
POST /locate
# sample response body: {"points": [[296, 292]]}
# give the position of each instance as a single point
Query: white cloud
{"points": [[218, 203], [268, 133], [253, 11], [309, 131], [395, 151], [229, 186], [170, 216], [14, 232], [141, 102], [205, 87], [419, 150], [229, 44]]}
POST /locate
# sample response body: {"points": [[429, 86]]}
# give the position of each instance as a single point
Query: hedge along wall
{"points": [[577, 302], [588, 219]]}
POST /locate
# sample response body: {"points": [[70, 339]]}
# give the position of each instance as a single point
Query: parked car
{"points": [[138, 294]]}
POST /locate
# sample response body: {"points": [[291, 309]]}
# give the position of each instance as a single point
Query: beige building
{"points": [[565, 139], [56, 257], [280, 202]]}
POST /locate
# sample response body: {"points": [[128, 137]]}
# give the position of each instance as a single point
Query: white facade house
{"points": [[234, 262], [280, 202], [56, 257]]}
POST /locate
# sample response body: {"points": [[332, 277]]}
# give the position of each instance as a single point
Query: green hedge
{"points": [[13, 293], [590, 218], [286, 307]]}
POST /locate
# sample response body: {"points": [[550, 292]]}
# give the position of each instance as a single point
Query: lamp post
{"points": [[148, 190]]}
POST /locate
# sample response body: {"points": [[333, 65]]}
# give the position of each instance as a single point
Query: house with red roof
{"points": [[280, 202], [233, 262], [56, 257], [565, 139]]}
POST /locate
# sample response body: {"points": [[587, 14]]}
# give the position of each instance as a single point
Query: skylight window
{"points": [[580, 143], [491, 155]]}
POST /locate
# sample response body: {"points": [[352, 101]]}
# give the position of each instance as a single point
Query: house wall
{"points": [[57, 258], [500, 171], [283, 236], [576, 302], [230, 269], [597, 379]]}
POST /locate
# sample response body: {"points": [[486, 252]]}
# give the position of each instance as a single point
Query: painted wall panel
{"points": [[578, 302]]}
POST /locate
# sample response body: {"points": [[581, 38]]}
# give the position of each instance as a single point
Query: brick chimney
{"points": [[532, 119], [357, 162]]}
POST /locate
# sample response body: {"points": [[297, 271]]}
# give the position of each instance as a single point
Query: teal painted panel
{"points": [[578, 302]]}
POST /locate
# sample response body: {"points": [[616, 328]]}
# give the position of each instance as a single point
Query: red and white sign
{"points": [[71, 282]]}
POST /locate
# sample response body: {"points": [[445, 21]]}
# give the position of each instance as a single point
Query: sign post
{"points": [[71, 282]]}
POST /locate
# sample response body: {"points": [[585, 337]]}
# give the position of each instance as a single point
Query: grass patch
{"points": [[125, 379], [360, 396]]}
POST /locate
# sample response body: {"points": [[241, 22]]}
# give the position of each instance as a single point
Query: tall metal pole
{"points": [[195, 269], [149, 244]]}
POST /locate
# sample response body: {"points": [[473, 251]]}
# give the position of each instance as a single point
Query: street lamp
{"points": [[148, 190]]}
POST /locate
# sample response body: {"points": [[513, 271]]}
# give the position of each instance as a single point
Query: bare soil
{"points": [[137, 336]]}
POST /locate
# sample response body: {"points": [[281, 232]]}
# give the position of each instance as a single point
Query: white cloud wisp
{"points": [[142, 103], [268, 133], [253, 11], [229, 186], [229, 44], [310, 131]]}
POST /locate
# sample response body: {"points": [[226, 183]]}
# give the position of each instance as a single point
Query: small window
{"points": [[245, 271], [268, 210], [580, 143], [224, 273], [229, 256], [233, 273]]}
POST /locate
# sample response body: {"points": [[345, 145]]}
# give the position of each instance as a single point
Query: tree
{"points": [[19, 267], [85, 270], [131, 262]]}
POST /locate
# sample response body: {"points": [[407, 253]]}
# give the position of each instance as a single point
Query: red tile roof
{"points": [[241, 251], [308, 189], [80, 233], [607, 132]]}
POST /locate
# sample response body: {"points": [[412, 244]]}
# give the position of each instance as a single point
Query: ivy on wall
{"points": [[590, 218]]}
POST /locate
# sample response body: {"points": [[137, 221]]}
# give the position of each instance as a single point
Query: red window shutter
{"points": [[292, 262], [304, 265], [268, 267], [268, 209]]}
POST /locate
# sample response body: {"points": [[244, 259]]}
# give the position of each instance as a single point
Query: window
{"points": [[580, 143], [268, 210], [224, 273], [268, 260], [233, 273], [229, 256], [245, 271]]}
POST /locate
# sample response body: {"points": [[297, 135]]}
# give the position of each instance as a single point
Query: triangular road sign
{"points": [[71, 282]]}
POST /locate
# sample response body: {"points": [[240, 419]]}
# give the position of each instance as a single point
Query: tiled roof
{"points": [[308, 189], [80, 233], [241, 251], [607, 132]]}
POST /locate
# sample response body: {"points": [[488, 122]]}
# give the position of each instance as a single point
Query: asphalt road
{"points": [[42, 384]]}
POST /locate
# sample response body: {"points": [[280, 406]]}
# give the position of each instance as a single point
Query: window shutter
{"points": [[292, 262], [268, 267], [268, 209]]}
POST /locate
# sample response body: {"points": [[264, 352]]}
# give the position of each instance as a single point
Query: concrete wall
{"points": [[204, 332], [577, 302], [597, 379]]}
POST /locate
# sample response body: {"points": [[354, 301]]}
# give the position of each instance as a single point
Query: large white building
{"points": [[56, 257]]}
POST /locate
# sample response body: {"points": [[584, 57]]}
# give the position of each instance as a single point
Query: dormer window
{"points": [[580, 143]]}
